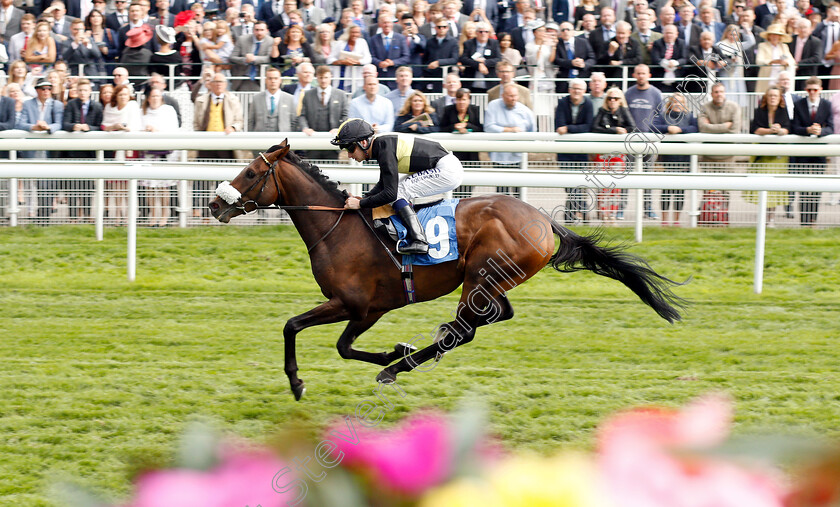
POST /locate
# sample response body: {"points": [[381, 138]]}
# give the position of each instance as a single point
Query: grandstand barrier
{"points": [[688, 144]]}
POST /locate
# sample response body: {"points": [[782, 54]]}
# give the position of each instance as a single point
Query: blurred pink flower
{"points": [[410, 458], [241, 479], [638, 463]]}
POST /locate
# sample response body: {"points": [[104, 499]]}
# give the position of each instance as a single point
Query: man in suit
{"points": [[708, 24], [135, 20], [453, 16], [311, 14], [82, 51], [829, 32], [473, 9], [574, 57], [689, 31], [563, 10], [480, 57], [249, 52], [166, 17], [41, 114], [61, 21], [622, 51], [667, 56], [20, 39], [524, 33], [667, 15], [415, 42], [305, 73], [276, 14], [569, 121], [324, 109], [272, 110], [811, 117], [119, 17], [388, 50], [619, 8], [441, 51], [9, 19], [387, 12], [82, 115], [451, 85], [807, 50], [246, 25], [506, 73], [645, 36], [774, 7], [704, 60], [601, 36], [217, 111]]}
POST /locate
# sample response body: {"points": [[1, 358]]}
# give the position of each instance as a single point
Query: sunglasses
{"points": [[442, 26], [812, 89], [483, 31], [613, 98], [348, 147], [565, 29]]}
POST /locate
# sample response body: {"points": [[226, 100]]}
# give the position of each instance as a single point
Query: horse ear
{"points": [[284, 149]]}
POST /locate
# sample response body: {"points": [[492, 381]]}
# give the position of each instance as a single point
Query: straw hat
{"points": [[777, 29]]}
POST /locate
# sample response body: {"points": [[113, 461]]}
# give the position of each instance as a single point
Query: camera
{"points": [[241, 15]]}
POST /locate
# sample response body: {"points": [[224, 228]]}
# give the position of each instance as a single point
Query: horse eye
{"points": [[250, 174]]}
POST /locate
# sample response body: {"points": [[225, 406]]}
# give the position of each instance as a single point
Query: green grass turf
{"points": [[99, 374]]}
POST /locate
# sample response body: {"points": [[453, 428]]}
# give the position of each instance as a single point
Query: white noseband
{"points": [[227, 192]]}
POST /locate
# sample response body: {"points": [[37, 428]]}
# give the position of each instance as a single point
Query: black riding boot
{"points": [[416, 239]]}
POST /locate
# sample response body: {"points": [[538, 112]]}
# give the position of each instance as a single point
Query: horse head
{"points": [[257, 185]]}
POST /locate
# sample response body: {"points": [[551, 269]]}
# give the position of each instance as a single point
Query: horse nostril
{"points": [[214, 206]]}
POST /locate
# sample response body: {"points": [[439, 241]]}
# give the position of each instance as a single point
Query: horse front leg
{"points": [[354, 329], [326, 313]]}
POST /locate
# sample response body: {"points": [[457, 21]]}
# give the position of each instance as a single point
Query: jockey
{"points": [[431, 170]]}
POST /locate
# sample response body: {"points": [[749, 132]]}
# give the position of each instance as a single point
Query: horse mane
{"points": [[312, 170]]}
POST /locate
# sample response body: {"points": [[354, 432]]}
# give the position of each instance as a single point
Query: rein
{"points": [[251, 205]]}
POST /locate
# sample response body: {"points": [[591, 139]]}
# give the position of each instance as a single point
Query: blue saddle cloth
{"points": [[439, 223]]}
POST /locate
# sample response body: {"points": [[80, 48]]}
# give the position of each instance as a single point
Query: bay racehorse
{"points": [[501, 242]]}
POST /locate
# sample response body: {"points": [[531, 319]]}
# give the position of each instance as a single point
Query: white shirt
{"points": [[276, 100], [322, 92]]}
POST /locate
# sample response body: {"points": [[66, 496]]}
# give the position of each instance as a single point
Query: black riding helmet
{"points": [[352, 131]]}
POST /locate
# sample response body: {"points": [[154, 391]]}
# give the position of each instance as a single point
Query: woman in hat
{"points": [[773, 57], [168, 54], [40, 52], [136, 52]]}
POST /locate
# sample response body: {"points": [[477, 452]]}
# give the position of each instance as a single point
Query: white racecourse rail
{"points": [[685, 144]]}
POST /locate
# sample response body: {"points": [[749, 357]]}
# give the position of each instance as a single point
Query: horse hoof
{"points": [[404, 349], [386, 377], [298, 391]]}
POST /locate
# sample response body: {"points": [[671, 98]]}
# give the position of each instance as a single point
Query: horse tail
{"points": [[577, 253]]}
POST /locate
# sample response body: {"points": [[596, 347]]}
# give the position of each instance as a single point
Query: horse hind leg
{"points": [[478, 307], [354, 329]]}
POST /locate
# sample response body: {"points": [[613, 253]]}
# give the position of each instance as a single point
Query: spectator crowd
{"points": [[313, 63]]}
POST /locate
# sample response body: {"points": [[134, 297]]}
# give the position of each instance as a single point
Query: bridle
{"points": [[251, 205]]}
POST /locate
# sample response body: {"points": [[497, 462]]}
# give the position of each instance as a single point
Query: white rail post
{"points": [[693, 206], [523, 165], [14, 209], [760, 233], [183, 196], [639, 167], [13, 202], [132, 229], [99, 201]]}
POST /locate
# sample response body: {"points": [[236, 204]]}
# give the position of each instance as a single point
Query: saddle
{"points": [[382, 218]]}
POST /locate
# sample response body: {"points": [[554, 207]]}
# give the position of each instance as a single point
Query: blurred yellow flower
{"points": [[568, 480]]}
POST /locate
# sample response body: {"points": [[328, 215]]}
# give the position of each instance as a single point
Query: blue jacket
{"points": [[54, 115], [398, 53], [583, 123]]}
